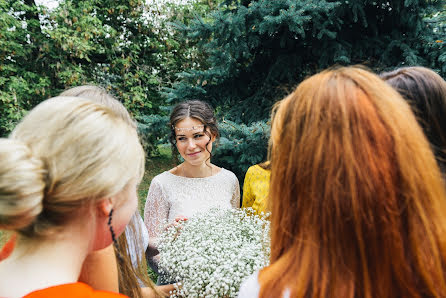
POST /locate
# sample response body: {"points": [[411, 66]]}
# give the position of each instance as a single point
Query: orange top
{"points": [[7, 248], [74, 290]]}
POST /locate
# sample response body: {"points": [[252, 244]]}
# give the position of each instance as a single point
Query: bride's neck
{"points": [[198, 171]]}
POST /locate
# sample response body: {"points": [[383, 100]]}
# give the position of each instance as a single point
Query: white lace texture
{"points": [[171, 196], [137, 238]]}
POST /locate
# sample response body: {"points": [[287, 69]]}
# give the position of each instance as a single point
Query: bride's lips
{"points": [[193, 154]]}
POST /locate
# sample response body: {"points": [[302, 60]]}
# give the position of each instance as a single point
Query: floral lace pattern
{"points": [[171, 196]]}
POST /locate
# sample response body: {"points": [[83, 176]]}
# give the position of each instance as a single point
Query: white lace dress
{"points": [[171, 196]]}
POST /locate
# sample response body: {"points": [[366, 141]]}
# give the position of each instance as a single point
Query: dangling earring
{"points": [[111, 227], [113, 235]]}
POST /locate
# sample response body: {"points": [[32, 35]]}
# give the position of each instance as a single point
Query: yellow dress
{"points": [[256, 188]]}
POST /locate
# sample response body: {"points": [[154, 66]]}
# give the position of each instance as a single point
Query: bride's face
{"points": [[193, 143]]}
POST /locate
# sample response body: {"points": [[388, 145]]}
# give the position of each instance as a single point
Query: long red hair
{"points": [[357, 199]]}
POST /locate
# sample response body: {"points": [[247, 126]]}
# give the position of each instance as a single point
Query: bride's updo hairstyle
{"points": [[198, 110], [65, 154], [357, 199]]}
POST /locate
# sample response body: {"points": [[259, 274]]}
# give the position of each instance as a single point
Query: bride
{"points": [[196, 185]]}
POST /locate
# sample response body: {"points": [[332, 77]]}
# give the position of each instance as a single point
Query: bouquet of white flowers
{"points": [[211, 253]]}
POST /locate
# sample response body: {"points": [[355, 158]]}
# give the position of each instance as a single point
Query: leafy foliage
{"points": [[79, 42], [121, 45], [21, 86], [241, 146], [259, 50], [239, 55], [437, 20], [153, 130]]}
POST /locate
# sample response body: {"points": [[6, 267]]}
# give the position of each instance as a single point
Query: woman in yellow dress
{"points": [[256, 187]]}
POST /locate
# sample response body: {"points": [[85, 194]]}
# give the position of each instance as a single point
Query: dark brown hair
{"points": [[357, 199], [266, 165], [426, 93]]}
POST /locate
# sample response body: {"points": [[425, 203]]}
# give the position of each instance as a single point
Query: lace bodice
{"points": [[171, 196]]}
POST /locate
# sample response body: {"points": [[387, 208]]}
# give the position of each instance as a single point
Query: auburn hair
{"points": [[357, 199]]}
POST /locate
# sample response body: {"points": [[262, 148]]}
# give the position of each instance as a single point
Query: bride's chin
{"points": [[195, 163]]}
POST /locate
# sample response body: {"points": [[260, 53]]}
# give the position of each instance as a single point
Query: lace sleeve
{"points": [[235, 200], [156, 210]]}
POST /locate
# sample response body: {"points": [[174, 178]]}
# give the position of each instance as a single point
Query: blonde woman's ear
{"points": [[104, 206]]}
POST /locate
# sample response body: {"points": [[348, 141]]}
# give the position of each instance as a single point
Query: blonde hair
{"points": [[78, 146], [127, 274], [21, 184], [357, 200], [100, 95]]}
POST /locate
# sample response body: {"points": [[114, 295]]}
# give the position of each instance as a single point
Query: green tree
{"points": [[259, 50], [241, 146], [178, 52], [21, 86], [109, 43]]}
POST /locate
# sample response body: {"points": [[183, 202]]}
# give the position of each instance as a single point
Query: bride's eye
{"points": [[181, 139], [197, 136]]}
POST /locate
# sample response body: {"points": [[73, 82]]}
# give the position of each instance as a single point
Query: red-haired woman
{"points": [[356, 196]]}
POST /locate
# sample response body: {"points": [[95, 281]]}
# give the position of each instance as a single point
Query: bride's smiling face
{"points": [[193, 143]]}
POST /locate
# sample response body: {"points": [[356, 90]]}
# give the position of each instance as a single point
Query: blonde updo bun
{"points": [[89, 153], [21, 185]]}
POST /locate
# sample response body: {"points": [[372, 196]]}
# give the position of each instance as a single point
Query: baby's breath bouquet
{"points": [[211, 253]]}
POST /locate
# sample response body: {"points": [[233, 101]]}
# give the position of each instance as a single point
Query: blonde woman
{"points": [[103, 270], [67, 188]]}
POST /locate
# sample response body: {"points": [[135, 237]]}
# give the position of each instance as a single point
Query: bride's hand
{"points": [[180, 218], [177, 222]]}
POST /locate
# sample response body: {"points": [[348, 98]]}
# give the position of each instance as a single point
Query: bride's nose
{"points": [[191, 144]]}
